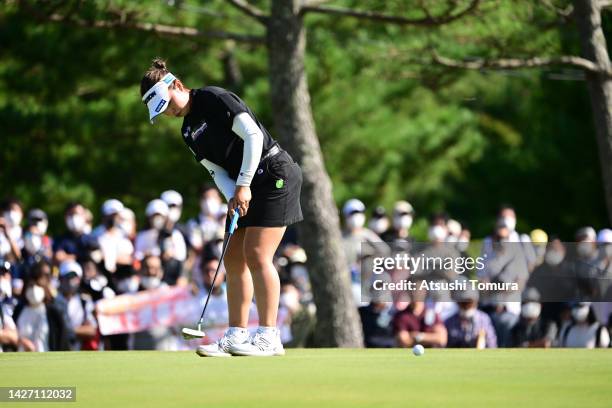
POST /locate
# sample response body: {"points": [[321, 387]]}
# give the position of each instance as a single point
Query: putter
{"points": [[189, 333]]}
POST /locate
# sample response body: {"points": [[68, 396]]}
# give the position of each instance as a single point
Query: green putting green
{"points": [[321, 378]]}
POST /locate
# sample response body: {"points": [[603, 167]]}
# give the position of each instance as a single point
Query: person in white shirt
{"points": [[584, 331]]}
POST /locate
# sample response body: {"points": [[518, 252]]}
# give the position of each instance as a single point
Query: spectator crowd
{"points": [[50, 283]]}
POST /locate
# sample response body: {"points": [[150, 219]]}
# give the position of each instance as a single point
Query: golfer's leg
{"points": [[260, 243], [239, 281]]}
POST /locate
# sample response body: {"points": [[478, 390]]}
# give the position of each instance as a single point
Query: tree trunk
{"points": [[593, 43], [338, 323]]}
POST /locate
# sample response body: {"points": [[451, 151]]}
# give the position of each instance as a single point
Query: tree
{"points": [[594, 62]]}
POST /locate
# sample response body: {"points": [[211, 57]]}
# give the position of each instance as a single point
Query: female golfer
{"points": [[259, 180]]}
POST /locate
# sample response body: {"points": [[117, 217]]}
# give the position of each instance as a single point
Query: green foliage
{"points": [[392, 124]]}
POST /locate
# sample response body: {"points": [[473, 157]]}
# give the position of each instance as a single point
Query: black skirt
{"points": [[275, 191]]}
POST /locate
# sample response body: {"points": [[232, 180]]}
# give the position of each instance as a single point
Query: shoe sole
{"points": [[207, 354], [247, 354]]}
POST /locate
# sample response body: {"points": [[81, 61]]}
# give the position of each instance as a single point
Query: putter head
{"points": [[189, 333]]}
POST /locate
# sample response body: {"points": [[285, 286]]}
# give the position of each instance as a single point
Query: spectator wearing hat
{"points": [[40, 322], [36, 242], [398, 236], [11, 239], [117, 250], [603, 307], [470, 327], [359, 242], [584, 331], [8, 329], [158, 241], [532, 330], [73, 244], [590, 265], [79, 306], [176, 233]]}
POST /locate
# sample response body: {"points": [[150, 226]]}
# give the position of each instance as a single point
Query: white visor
{"points": [[157, 98]]}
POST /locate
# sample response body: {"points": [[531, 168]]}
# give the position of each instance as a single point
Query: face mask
{"points": [[87, 228], [98, 283], [158, 222], [462, 244], [402, 221], [32, 243], [580, 313], [553, 257], [436, 233], [356, 220], [96, 256], [174, 214], [379, 225], [75, 223], [128, 285], [35, 295], [13, 217], [210, 207], [467, 313], [510, 223], [451, 238], [584, 249], [41, 226], [531, 310], [290, 300], [6, 288], [150, 282]]}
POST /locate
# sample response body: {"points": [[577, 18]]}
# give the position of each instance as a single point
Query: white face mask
{"points": [[510, 223], [436, 233], [553, 257], [32, 243], [6, 288], [356, 220], [462, 244], [42, 226], [290, 300], [75, 223], [174, 214], [580, 313], [531, 310], [157, 222], [150, 282], [379, 225], [402, 221], [210, 207], [467, 313], [35, 295], [13, 217], [584, 249]]}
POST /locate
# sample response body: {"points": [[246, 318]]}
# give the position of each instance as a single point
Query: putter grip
{"points": [[234, 222]]}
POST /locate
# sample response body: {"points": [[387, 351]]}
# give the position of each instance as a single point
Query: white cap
{"points": [[403, 207], [586, 234], [605, 236], [172, 197], [70, 266], [157, 98], [353, 205], [112, 206], [156, 206]]}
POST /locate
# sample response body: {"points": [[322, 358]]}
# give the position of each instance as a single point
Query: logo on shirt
{"points": [[196, 133]]}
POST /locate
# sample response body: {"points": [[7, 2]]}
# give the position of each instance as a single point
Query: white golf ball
{"points": [[418, 350]]}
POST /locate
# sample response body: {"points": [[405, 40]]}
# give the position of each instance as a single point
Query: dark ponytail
{"points": [[154, 74]]}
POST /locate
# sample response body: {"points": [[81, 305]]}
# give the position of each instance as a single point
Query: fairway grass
{"points": [[321, 378]]}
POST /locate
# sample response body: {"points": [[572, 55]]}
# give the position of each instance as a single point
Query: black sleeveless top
{"points": [[207, 128]]}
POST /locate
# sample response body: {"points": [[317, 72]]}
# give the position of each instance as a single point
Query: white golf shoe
{"points": [[221, 347], [262, 344]]}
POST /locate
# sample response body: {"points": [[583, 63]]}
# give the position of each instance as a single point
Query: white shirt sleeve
{"points": [[221, 177], [245, 127]]}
